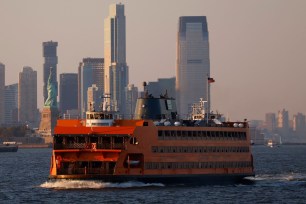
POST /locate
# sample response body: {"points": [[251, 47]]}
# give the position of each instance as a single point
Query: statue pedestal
{"points": [[48, 120]]}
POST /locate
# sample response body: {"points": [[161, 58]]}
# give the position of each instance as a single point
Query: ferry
{"points": [[156, 146], [8, 147], [270, 143]]}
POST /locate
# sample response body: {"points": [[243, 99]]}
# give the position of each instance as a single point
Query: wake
{"points": [[81, 184]]}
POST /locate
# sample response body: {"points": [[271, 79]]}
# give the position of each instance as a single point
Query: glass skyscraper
{"points": [[116, 69], [91, 71], [68, 93], [193, 66], [27, 97], [49, 53], [11, 104]]}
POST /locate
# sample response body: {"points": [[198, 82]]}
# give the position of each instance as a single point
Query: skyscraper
{"points": [[11, 104], [116, 69], [49, 53], [299, 124], [93, 98], [27, 97], [2, 85], [283, 120], [131, 94], [161, 86], [193, 66], [270, 122], [91, 71], [68, 93]]}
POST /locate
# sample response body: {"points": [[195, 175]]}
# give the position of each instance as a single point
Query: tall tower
{"points": [[193, 66], [11, 104], [271, 122], [68, 94], [49, 53], [91, 71], [2, 86], [116, 69], [27, 97]]}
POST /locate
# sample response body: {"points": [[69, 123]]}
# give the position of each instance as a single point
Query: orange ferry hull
{"points": [[165, 179]]}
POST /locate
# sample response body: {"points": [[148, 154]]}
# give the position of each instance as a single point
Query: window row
{"points": [[197, 149], [200, 135], [197, 165]]}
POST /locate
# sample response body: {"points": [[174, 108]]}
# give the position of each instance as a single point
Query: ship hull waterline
{"points": [[202, 179]]}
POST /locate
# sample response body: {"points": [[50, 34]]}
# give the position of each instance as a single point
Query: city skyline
{"points": [[256, 47]]}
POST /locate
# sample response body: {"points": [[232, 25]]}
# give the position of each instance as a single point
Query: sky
{"points": [[257, 47]]}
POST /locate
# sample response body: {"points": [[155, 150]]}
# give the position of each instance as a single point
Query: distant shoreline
{"points": [[27, 146]]}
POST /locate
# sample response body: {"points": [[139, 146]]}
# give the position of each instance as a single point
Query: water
{"points": [[280, 178]]}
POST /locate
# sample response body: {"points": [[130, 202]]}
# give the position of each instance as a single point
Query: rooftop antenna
{"points": [[146, 94]]}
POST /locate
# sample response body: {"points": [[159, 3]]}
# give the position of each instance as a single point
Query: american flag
{"points": [[210, 80]]}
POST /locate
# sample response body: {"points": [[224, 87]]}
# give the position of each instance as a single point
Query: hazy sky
{"points": [[257, 47]]}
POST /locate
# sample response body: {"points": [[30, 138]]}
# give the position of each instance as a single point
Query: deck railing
{"points": [[90, 146], [85, 171]]}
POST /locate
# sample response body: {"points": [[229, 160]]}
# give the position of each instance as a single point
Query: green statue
{"points": [[52, 92]]}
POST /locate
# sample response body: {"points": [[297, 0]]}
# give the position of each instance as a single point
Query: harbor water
{"points": [[280, 178]]}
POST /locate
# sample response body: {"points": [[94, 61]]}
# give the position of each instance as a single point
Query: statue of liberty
{"points": [[52, 91]]}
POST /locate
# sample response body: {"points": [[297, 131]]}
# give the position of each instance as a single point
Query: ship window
{"points": [[189, 133], [145, 124], [160, 133], [217, 134], [213, 134], [81, 139], [230, 135], [133, 141], [133, 161], [167, 133], [225, 135], [154, 149], [58, 140], [173, 133], [179, 133]]}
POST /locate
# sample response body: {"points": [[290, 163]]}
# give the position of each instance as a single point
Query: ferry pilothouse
{"points": [[156, 146]]}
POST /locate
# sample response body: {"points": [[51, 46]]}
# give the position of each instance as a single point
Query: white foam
{"points": [[279, 177], [83, 184]]}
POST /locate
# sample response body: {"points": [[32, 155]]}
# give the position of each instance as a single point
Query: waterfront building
{"points": [[90, 71], [27, 97], [49, 53], [2, 86], [131, 94], [116, 69], [270, 122], [68, 93], [11, 104], [193, 65]]}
